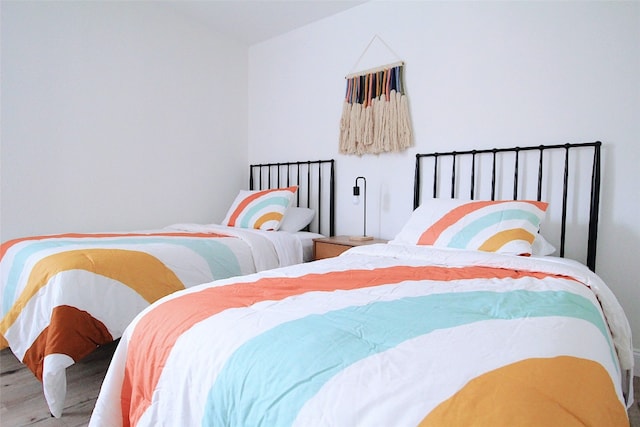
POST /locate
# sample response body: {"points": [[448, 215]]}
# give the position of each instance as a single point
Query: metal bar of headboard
{"points": [[435, 178], [308, 180], [453, 176], [565, 184], [319, 195], [298, 183], [332, 206], [540, 175], [493, 175], [515, 174], [595, 183], [473, 175], [594, 208], [416, 182], [288, 175]]}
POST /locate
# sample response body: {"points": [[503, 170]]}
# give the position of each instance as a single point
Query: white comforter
{"points": [[382, 335], [62, 296]]}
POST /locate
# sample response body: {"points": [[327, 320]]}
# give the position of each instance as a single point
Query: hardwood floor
{"points": [[634, 411], [22, 402]]}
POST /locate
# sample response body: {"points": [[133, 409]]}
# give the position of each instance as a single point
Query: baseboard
{"points": [[636, 365]]}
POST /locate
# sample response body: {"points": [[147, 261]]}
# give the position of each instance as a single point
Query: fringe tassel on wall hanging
{"points": [[375, 113]]}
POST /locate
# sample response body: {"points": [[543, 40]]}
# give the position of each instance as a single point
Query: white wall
{"points": [[117, 116], [478, 74]]}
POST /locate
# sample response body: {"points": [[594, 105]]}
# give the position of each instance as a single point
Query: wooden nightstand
{"points": [[327, 247]]}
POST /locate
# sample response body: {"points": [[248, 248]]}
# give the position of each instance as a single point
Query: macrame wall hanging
{"points": [[375, 114]]}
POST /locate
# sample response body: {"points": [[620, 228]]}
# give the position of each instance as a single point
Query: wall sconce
{"points": [[356, 199]]}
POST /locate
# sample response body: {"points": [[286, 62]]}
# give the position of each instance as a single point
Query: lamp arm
{"points": [[364, 234]]}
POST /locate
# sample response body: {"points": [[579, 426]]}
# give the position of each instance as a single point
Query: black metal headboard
{"points": [[316, 188], [508, 170]]}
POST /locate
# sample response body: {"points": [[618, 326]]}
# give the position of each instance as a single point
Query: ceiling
{"points": [[253, 21]]}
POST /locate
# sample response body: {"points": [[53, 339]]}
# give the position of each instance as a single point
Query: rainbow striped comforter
{"points": [[384, 335], [62, 296]]}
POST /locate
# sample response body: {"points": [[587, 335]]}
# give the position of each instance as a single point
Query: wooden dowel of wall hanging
{"points": [[374, 70]]}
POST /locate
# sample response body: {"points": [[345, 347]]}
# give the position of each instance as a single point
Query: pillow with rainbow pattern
{"points": [[262, 210], [504, 226]]}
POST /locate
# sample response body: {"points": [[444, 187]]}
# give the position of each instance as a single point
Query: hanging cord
{"points": [[372, 70]]}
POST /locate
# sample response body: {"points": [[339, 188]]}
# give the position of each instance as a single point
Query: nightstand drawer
{"points": [[328, 247], [328, 250]]}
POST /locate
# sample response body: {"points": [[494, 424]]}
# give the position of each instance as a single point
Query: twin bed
{"points": [[64, 295], [464, 318]]}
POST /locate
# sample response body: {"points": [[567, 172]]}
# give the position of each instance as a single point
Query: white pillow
{"points": [[295, 219], [505, 226], [261, 210], [541, 246]]}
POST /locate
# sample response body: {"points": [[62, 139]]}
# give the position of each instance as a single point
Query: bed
{"points": [[424, 330], [64, 295]]}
